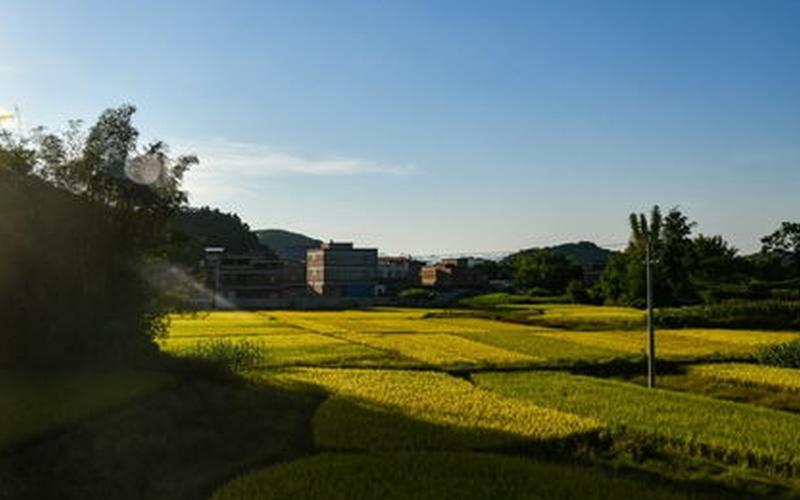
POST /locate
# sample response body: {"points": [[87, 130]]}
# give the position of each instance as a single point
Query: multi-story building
{"points": [[254, 276], [340, 270], [452, 273], [397, 273]]}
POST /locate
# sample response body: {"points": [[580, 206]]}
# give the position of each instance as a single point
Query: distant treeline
{"points": [[689, 269]]}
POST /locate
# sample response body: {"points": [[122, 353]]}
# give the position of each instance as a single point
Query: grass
{"points": [[33, 404], [179, 443], [696, 425], [409, 410], [436, 476]]}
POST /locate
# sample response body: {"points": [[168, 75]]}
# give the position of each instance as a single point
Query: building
{"points": [[253, 276], [397, 273], [452, 273], [340, 270]]}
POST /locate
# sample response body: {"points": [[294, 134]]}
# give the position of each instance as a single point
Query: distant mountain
{"points": [[286, 244]]}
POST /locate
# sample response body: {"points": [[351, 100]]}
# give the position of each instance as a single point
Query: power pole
{"points": [[651, 335]]}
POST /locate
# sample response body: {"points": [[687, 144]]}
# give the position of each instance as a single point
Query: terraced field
{"points": [[415, 403], [391, 396], [408, 410]]}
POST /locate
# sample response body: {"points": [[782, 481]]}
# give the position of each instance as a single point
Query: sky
{"points": [[431, 127]]}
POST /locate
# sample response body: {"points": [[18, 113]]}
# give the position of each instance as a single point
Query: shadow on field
{"points": [[180, 443]]}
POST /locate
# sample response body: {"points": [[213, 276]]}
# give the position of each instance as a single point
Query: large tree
{"points": [[82, 229]]}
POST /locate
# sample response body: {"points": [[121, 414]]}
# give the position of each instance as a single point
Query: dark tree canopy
{"points": [[544, 269], [204, 227], [82, 229]]}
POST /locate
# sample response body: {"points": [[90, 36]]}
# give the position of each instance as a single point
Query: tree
{"points": [[544, 269], [785, 243], [203, 227], [668, 237], [81, 230], [712, 259]]}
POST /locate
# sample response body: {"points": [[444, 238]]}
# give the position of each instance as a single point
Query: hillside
{"points": [[286, 244], [590, 257]]}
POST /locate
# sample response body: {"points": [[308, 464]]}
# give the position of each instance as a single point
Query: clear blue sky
{"points": [[440, 126]]}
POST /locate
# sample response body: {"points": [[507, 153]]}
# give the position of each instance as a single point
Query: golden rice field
{"points": [[415, 400], [410, 410], [421, 403], [407, 337], [740, 373]]}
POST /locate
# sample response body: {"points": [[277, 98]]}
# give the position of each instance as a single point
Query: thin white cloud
{"points": [[258, 160], [227, 168], [7, 68]]}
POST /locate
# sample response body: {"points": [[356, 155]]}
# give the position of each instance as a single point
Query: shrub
{"points": [[763, 314], [416, 294], [786, 355], [234, 355]]}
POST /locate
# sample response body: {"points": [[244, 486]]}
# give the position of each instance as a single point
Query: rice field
{"points": [[424, 403], [746, 374], [730, 432], [436, 476], [422, 410], [420, 337]]}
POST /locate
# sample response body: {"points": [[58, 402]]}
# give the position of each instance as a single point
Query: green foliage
{"points": [[691, 424], [81, 230], [495, 300], [764, 314], [436, 476], [416, 294], [235, 355], [786, 355], [205, 227], [577, 293], [544, 269], [785, 242]]}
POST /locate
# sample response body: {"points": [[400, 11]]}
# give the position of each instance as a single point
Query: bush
{"points": [[416, 294], [494, 300], [786, 355], [233, 355], [576, 291], [763, 314]]}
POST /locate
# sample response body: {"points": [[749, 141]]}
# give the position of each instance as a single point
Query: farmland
{"points": [[430, 403]]}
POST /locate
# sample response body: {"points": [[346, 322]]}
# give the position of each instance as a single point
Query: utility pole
{"points": [[651, 335]]}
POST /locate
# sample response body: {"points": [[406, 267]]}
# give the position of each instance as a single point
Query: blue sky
{"points": [[435, 127]]}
